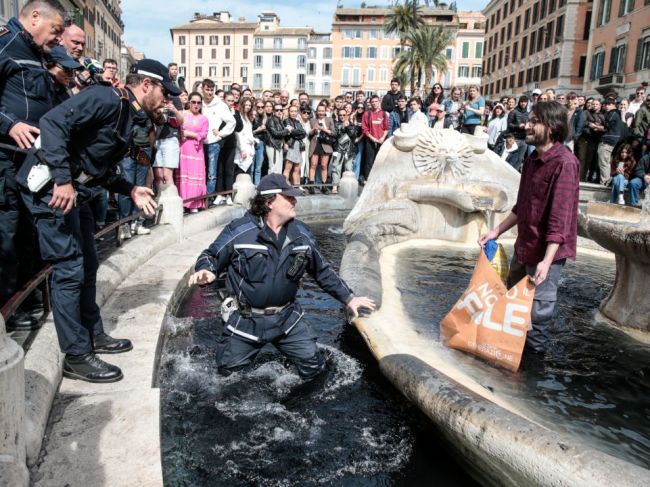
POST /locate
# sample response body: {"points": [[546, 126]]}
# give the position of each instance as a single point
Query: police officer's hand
{"points": [[202, 277], [143, 199], [22, 134], [360, 302], [63, 197]]}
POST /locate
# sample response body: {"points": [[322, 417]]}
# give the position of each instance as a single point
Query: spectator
{"points": [[474, 110], [245, 152], [167, 140], [348, 97], [62, 68], [342, 158], [321, 139], [416, 115], [642, 122], [375, 129], [576, 120], [226, 165], [640, 178], [398, 116], [621, 172], [361, 98], [550, 94], [512, 103], [259, 131], [594, 119], [348, 109], [294, 146], [284, 99], [267, 95], [498, 124], [247, 93], [436, 97], [637, 102], [110, 72], [561, 99], [359, 144], [133, 168], [305, 120], [190, 177], [454, 108], [184, 98], [543, 97], [173, 73], [626, 115], [303, 98], [509, 151], [222, 124], [221, 94], [611, 134], [534, 98], [389, 102], [276, 132], [441, 121], [517, 120], [74, 41], [277, 99]]}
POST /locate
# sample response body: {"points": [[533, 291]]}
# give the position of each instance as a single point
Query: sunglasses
{"points": [[278, 109], [194, 102], [164, 91], [260, 107]]}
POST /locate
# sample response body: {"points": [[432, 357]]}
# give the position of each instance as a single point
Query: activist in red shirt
{"points": [[374, 126], [546, 215]]}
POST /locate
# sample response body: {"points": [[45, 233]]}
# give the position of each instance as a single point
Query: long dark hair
{"points": [[553, 115], [433, 98]]}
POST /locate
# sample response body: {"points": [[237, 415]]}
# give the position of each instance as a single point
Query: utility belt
{"points": [[230, 305], [40, 175], [139, 155]]}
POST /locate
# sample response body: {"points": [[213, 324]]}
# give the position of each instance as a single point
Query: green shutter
{"points": [[465, 50], [479, 50], [639, 51]]}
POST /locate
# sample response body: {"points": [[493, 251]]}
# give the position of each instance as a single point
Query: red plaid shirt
{"points": [[547, 205]]}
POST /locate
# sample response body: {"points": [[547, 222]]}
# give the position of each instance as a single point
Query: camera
{"points": [[91, 73]]}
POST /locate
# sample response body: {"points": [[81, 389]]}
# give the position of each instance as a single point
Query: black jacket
{"points": [[515, 118], [91, 132], [26, 88], [297, 131], [642, 167], [276, 132], [613, 128], [257, 269], [389, 101], [230, 141]]}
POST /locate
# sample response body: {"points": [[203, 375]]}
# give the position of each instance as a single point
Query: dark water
{"points": [[262, 428], [594, 382]]}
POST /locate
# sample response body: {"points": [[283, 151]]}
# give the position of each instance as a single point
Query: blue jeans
{"points": [[620, 184], [99, 205], [255, 170], [212, 153], [358, 157], [133, 173]]}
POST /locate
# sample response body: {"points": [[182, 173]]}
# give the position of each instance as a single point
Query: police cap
{"points": [[155, 70], [58, 55], [276, 184]]}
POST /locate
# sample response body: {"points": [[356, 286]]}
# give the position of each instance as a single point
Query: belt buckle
{"points": [[269, 311]]}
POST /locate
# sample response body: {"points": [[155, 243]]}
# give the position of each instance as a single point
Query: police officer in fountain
{"points": [[26, 94], [81, 143], [265, 254]]}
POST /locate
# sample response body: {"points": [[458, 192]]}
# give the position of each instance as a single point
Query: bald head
{"points": [[74, 41], [43, 19]]}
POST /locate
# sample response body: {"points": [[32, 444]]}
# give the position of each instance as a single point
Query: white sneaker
{"points": [[125, 231], [229, 201], [140, 229], [335, 190], [219, 200], [194, 210], [621, 199]]}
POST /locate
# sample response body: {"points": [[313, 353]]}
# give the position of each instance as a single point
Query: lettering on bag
{"points": [[480, 302]]}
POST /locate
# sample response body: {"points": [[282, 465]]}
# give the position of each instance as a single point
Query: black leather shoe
{"points": [[21, 320], [311, 189], [103, 343], [324, 190], [90, 368]]}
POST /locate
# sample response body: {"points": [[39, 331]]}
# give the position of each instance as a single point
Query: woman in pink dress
{"points": [[190, 175]]}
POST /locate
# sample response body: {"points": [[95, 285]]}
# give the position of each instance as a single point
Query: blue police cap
{"points": [[156, 70], [276, 184], [59, 56]]}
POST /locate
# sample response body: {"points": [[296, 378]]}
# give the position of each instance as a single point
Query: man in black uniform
{"points": [[265, 254], [82, 141], [26, 94]]}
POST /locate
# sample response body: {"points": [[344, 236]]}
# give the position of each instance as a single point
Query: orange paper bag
{"points": [[489, 320]]}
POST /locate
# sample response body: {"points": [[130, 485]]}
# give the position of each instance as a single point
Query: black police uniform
{"points": [[83, 140], [26, 94], [263, 274]]}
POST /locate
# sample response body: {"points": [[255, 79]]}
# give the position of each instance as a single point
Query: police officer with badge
{"points": [[26, 94], [82, 142], [265, 254]]}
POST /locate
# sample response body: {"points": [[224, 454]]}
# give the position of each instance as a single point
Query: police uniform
{"points": [[26, 94], [82, 140], [263, 275]]}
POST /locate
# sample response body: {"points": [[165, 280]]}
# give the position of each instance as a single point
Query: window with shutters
{"points": [[257, 81], [465, 50], [302, 43], [199, 54], [517, 22], [526, 19], [327, 53], [550, 34], [214, 40], [477, 71], [226, 40], [642, 59], [371, 74], [212, 71], [277, 61], [302, 62], [604, 12], [478, 50], [226, 71], [198, 40], [198, 71], [326, 88], [227, 53], [300, 81], [277, 43], [182, 56], [259, 42], [559, 28], [245, 40], [213, 54], [463, 71], [617, 59], [555, 68], [327, 69], [258, 62], [533, 37], [181, 40], [625, 7], [524, 45], [275, 81], [372, 53], [311, 69], [244, 54]]}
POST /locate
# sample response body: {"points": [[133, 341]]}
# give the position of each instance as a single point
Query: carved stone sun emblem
{"points": [[442, 153]]}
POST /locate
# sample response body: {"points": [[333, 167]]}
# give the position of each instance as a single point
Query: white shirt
{"points": [[217, 112], [634, 106], [419, 117]]}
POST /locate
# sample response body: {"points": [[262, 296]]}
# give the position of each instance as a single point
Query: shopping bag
{"points": [[489, 320], [498, 258]]}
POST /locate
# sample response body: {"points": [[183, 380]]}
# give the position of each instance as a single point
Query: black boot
{"points": [[324, 190], [103, 343], [90, 368], [21, 320], [311, 189]]}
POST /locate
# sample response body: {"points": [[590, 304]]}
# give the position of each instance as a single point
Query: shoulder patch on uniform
{"points": [[136, 105], [4, 30]]}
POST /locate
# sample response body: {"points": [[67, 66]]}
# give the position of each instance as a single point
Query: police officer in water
{"points": [[82, 142], [26, 94], [265, 254]]}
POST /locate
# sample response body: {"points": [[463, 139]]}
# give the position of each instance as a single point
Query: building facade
{"points": [[618, 57], [214, 47], [363, 53], [535, 44], [467, 56], [109, 29], [319, 65]]}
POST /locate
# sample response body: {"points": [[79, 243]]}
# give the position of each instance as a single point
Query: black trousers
{"points": [[369, 155], [19, 259], [69, 244], [226, 168]]}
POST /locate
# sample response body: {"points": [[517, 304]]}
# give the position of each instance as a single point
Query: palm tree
{"points": [[400, 20], [426, 47]]}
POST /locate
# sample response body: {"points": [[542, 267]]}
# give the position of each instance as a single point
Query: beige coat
{"points": [[313, 135]]}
